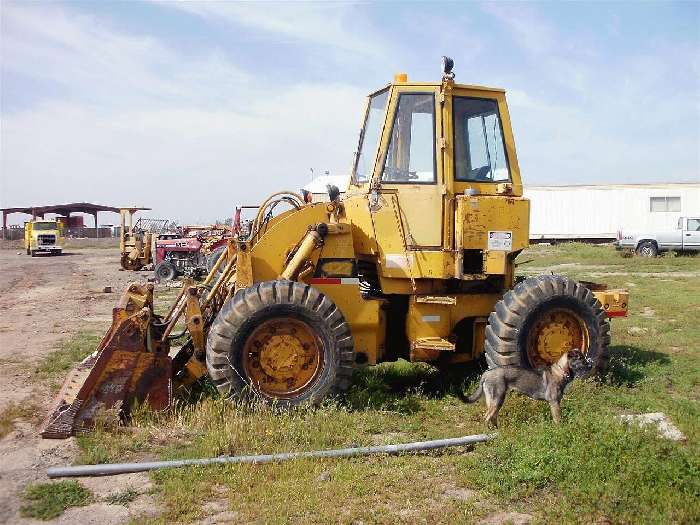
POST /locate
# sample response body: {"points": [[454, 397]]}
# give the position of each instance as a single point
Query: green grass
{"points": [[12, 412], [123, 497], [574, 253], [588, 469], [55, 365], [46, 501]]}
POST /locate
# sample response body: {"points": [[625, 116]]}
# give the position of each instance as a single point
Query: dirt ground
{"points": [[44, 301]]}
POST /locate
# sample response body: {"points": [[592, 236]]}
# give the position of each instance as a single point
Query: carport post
{"points": [[4, 225], [97, 229]]}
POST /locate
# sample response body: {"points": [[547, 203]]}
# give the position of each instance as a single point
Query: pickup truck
{"points": [[686, 237]]}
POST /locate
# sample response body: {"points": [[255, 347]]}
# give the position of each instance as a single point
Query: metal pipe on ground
{"points": [[124, 468]]}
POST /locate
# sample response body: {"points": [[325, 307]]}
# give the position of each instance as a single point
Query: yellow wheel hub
{"points": [[282, 357], [554, 333]]}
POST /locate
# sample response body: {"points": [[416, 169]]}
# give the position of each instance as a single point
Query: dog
{"points": [[546, 385]]}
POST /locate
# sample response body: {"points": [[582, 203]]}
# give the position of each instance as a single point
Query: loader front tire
{"points": [[280, 341], [542, 318]]}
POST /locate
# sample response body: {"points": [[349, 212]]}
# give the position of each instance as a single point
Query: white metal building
{"points": [[318, 186], [587, 212], [599, 211]]}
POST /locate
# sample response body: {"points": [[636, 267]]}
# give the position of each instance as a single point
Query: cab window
{"points": [[370, 135], [478, 141], [694, 225], [410, 157]]}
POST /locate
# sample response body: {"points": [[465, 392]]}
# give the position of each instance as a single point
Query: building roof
{"points": [[64, 209], [318, 185], [651, 185]]}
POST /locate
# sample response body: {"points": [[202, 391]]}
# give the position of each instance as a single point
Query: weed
{"points": [[55, 365], [45, 501], [12, 412], [123, 497]]}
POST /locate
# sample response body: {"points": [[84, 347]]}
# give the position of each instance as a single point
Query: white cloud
{"points": [[191, 138], [95, 63], [333, 25]]}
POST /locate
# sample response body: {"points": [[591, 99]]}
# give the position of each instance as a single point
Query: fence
{"points": [[17, 233]]}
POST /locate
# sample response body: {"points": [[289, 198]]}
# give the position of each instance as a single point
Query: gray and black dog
{"points": [[546, 385]]}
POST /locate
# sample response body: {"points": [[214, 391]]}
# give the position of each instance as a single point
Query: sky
{"points": [[192, 108]]}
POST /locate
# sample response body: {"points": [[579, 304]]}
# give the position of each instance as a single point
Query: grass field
{"points": [[587, 470]]}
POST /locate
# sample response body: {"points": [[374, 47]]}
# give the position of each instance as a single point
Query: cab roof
{"points": [[438, 84]]}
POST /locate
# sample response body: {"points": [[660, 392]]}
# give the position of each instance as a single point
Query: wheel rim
{"points": [[555, 332], [646, 251], [282, 357], [128, 264]]}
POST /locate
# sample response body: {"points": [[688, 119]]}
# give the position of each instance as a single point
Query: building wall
{"points": [[598, 212]]}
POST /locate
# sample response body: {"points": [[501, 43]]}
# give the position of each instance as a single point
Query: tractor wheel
{"points": [[541, 319], [647, 249], [165, 271], [282, 342], [211, 261], [129, 264]]}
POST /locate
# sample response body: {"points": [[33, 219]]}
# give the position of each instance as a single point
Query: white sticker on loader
{"points": [[501, 241]]}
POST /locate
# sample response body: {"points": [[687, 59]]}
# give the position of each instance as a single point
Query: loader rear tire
{"points": [[280, 341], [542, 318]]}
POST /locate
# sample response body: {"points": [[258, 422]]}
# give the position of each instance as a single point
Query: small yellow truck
{"points": [[43, 236]]}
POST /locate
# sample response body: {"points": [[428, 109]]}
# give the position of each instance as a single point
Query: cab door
{"points": [[691, 234], [408, 189]]}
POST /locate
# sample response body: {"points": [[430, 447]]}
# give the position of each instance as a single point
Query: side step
{"points": [[429, 348]]}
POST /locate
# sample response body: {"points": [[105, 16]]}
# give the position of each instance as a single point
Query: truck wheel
{"points": [[647, 249], [541, 319], [32, 253], [165, 271], [129, 264], [282, 342]]}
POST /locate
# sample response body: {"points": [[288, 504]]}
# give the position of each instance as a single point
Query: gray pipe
{"points": [[110, 469]]}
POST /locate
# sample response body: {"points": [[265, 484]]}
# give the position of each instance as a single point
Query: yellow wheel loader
{"points": [[137, 241], [416, 261]]}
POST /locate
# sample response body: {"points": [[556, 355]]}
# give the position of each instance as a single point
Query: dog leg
{"points": [[555, 408], [495, 398], [491, 417]]}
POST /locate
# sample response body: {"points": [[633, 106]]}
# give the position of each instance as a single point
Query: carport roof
{"points": [[64, 209]]}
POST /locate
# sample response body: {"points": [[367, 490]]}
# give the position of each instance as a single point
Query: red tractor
{"points": [[186, 255], [196, 251]]}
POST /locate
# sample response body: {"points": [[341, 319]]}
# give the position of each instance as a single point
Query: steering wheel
{"points": [[481, 173], [396, 174]]}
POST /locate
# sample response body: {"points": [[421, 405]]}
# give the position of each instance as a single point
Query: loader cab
{"points": [[421, 146]]}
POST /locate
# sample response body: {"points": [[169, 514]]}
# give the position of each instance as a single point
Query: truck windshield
{"points": [[369, 137], [44, 226]]}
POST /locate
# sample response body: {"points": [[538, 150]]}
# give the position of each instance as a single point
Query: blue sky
{"points": [[192, 108]]}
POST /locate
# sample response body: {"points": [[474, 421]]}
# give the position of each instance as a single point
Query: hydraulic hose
{"points": [[124, 468]]}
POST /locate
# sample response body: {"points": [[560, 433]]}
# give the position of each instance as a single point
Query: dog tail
{"points": [[475, 395]]}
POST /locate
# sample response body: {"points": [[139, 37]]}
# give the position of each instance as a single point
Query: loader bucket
{"points": [[130, 364]]}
